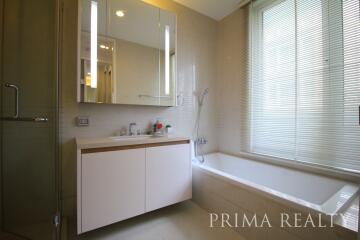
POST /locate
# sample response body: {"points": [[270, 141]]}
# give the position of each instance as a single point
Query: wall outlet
{"points": [[82, 121]]}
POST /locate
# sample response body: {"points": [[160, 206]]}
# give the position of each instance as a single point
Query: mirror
{"points": [[127, 53]]}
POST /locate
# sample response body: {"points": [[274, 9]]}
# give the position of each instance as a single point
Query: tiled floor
{"points": [[6, 236], [36, 231], [185, 221]]}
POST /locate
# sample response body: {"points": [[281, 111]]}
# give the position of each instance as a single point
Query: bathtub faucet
{"points": [[201, 141], [198, 143]]}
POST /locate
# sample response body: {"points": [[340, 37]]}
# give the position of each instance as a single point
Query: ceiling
{"points": [[216, 9]]}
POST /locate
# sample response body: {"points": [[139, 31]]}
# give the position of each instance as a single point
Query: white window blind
{"points": [[305, 81]]}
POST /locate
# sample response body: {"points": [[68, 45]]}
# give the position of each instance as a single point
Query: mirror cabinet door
{"points": [[126, 53]]}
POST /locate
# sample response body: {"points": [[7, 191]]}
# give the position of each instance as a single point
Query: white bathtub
{"points": [[314, 192]]}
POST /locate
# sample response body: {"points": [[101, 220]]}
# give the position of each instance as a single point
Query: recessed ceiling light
{"points": [[120, 13], [102, 46]]}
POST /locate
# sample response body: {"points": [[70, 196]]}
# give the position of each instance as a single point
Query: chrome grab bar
{"points": [[26, 119], [16, 88]]}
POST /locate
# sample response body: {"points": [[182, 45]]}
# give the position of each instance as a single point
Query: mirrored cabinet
{"points": [[126, 53]]}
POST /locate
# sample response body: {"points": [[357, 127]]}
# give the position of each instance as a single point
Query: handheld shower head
{"points": [[202, 96], [206, 91]]}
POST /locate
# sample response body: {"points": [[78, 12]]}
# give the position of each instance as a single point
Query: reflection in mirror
{"points": [[100, 88], [127, 53]]}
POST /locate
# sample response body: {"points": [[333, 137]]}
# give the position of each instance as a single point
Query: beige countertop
{"points": [[87, 143]]}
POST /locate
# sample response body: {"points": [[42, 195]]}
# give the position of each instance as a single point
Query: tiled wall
{"points": [[231, 82], [197, 37]]}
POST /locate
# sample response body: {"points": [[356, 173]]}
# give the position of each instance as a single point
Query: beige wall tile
{"points": [[231, 85]]}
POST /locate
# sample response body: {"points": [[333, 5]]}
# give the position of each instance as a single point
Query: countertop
{"points": [[87, 143]]}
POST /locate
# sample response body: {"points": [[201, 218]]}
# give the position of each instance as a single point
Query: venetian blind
{"points": [[305, 81]]}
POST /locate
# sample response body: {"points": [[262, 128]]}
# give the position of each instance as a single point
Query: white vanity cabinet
{"points": [[115, 183], [168, 175], [112, 187]]}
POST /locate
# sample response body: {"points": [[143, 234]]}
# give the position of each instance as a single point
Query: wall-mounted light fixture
{"points": [[94, 43], [167, 59]]}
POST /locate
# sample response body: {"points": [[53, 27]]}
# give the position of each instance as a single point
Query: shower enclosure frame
{"points": [[1, 110], [58, 13]]}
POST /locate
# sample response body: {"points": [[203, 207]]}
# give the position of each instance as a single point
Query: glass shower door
{"points": [[28, 119]]}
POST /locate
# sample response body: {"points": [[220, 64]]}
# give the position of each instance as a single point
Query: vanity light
{"points": [[167, 60], [120, 13], [94, 43]]}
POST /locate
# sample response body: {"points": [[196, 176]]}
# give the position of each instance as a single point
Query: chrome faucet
{"points": [[201, 141], [132, 129]]}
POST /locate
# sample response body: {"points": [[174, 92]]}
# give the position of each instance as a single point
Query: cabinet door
{"points": [[113, 187], [168, 175]]}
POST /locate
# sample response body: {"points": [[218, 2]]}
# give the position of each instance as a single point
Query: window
{"points": [[305, 81]]}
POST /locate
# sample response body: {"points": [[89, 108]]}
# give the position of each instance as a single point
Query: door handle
{"points": [[16, 88], [16, 117]]}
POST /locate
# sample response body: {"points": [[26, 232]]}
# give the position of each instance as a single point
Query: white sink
{"points": [[130, 138]]}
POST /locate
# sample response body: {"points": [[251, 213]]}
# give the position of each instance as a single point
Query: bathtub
{"points": [[296, 188]]}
